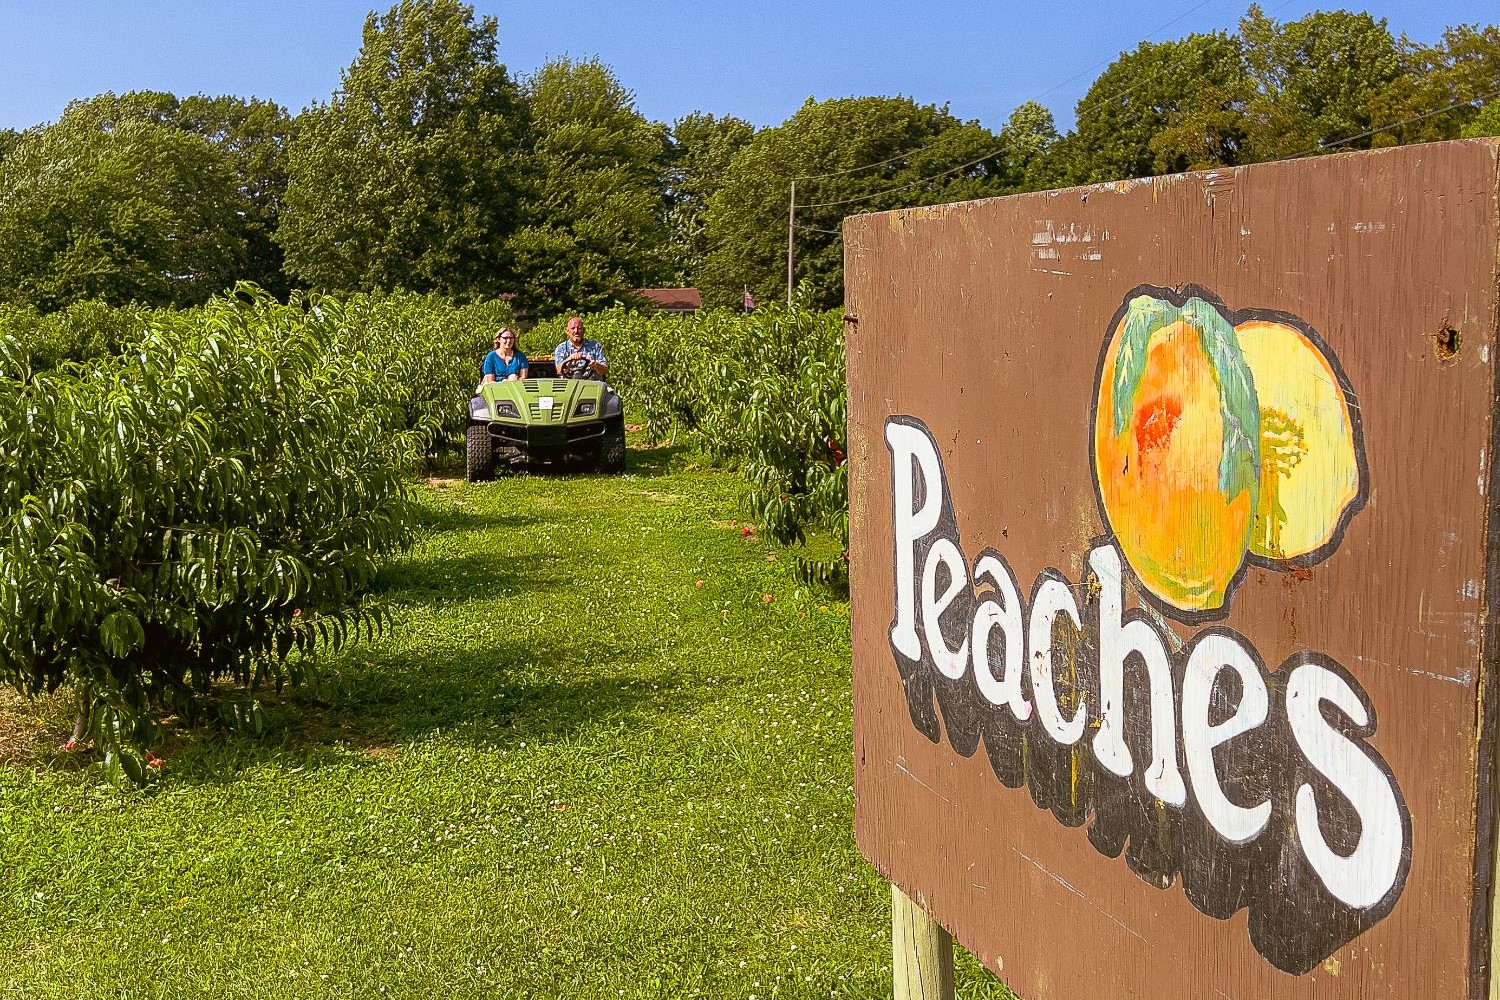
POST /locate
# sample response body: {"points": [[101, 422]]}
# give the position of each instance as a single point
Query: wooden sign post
{"points": [[1175, 563]]}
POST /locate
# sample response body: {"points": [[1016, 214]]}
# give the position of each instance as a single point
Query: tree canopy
{"points": [[254, 135], [432, 169], [1316, 81], [403, 180], [591, 218], [701, 149], [921, 154], [120, 209]]}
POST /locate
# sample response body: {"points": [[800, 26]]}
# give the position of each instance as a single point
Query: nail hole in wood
{"points": [[1446, 343]]}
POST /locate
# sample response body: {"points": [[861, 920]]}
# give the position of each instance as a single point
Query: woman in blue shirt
{"points": [[504, 363]]}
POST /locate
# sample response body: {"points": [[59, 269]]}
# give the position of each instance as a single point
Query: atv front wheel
{"points": [[612, 458], [481, 454]]}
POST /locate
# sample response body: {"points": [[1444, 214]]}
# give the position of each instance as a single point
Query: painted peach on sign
{"points": [[1309, 452], [1220, 438]]}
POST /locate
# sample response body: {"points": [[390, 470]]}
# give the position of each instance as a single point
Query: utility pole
{"points": [[791, 222]]}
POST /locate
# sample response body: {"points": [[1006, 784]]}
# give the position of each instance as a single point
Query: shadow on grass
{"points": [[369, 710], [659, 460], [434, 520], [443, 578]]}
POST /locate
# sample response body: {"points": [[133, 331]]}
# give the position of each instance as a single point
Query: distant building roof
{"points": [[673, 299]]}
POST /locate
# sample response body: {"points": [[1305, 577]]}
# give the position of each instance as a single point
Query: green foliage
{"points": [[1335, 80], [203, 495], [1192, 87], [702, 147], [1460, 70], [670, 761], [1317, 80], [1486, 123], [1029, 136], [423, 356], [591, 217], [429, 170], [403, 179], [252, 135], [80, 332], [121, 210], [933, 157], [765, 393]]}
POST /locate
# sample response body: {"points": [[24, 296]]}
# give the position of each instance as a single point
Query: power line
{"points": [[1154, 74], [1164, 27], [908, 184], [1110, 98], [1322, 147], [932, 145], [867, 166]]}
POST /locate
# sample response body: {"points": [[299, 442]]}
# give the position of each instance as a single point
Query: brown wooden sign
{"points": [[1174, 575]]}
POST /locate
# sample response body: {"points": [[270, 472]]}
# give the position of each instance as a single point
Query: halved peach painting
{"points": [[1219, 437]]}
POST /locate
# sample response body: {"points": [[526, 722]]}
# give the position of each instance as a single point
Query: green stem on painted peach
{"points": [[1239, 464]]}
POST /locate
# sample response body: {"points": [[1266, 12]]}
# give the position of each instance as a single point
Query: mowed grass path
{"points": [[568, 770]]}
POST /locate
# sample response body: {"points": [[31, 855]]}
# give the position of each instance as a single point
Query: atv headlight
{"points": [[586, 408], [505, 408]]}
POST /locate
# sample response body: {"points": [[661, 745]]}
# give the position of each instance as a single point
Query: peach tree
{"points": [[210, 503]]}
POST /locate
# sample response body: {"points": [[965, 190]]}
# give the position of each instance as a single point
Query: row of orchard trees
{"points": [[433, 169], [201, 495], [761, 392], [188, 496]]}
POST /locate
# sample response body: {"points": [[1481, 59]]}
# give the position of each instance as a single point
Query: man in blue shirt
{"points": [[579, 348]]}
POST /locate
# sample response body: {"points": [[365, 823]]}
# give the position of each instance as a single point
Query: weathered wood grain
{"points": [[985, 322], [921, 952]]}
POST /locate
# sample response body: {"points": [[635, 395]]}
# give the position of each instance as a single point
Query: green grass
{"points": [[568, 770]]}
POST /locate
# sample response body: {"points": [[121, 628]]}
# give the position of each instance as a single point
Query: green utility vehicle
{"points": [[569, 419]]}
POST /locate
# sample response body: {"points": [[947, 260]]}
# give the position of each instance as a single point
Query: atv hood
{"points": [[544, 401]]}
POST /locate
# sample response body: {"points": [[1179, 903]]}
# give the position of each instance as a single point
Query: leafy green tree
{"points": [[1191, 89], [252, 134], [1442, 87], [1317, 81], [1029, 136], [1487, 122], [702, 147], [592, 223], [121, 210], [852, 155], [9, 139], [403, 179]]}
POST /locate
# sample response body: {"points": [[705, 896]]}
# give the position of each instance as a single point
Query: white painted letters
{"points": [[910, 448], [1364, 877], [1213, 653], [1053, 598], [1116, 643], [950, 662], [997, 677], [1003, 611]]}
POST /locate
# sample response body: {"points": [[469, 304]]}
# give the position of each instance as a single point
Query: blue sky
{"points": [[759, 61]]}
